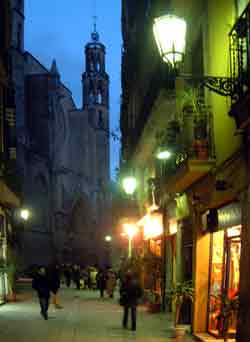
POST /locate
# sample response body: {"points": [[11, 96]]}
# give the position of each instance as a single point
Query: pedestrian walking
{"points": [[41, 284], [93, 274], [111, 282], [76, 276], [101, 282], [55, 282], [130, 292], [67, 274]]}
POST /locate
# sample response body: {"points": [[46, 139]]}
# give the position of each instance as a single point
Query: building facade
{"points": [[202, 187], [9, 200], [63, 154]]}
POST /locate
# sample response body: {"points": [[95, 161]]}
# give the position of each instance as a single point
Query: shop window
{"points": [[224, 278]]}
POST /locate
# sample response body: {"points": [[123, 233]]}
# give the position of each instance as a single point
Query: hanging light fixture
{"points": [[170, 35]]}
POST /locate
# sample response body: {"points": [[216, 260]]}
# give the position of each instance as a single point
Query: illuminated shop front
{"points": [[224, 272], [3, 250]]}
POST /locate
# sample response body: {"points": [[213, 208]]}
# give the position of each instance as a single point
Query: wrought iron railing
{"points": [[239, 42]]}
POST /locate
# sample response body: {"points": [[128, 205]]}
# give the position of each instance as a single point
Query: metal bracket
{"points": [[224, 86]]}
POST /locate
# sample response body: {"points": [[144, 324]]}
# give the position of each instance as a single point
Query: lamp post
{"points": [[130, 230], [108, 239]]}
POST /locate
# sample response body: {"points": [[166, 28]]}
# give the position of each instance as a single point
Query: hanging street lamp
{"points": [[129, 185], [170, 36]]}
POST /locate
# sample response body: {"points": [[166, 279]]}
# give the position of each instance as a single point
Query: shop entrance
{"points": [[224, 279]]}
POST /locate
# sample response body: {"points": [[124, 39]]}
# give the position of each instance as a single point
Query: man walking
{"points": [[130, 292], [42, 285]]}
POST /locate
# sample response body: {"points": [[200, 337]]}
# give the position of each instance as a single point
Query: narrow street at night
{"points": [[84, 317]]}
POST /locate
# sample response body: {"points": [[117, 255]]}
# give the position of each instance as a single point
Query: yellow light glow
{"points": [[25, 214], [129, 185], [164, 155], [170, 36], [130, 229], [172, 226], [234, 231], [108, 238], [152, 224]]}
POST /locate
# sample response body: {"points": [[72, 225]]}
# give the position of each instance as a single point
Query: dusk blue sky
{"points": [[60, 29]]}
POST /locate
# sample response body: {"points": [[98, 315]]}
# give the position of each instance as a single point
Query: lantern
{"points": [[170, 36]]}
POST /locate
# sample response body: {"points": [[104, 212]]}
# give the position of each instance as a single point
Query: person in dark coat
{"points": [[67, 275], [76, 275], [41, 284], [101, 282], [130, 292], [55, 282]]}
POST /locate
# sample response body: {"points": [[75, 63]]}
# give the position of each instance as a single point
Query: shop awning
{"points": [[7, 196]]}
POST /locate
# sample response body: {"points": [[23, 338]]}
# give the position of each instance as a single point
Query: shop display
{"points": [[224, 280]]}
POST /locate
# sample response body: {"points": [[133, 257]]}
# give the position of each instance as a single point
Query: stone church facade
{"points": [[62, 154]]}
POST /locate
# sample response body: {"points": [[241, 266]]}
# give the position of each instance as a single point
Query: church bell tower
{"points": [[95, 82]]}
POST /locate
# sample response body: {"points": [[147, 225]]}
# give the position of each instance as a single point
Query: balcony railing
{"points": [[193, 141], [239, 40]]}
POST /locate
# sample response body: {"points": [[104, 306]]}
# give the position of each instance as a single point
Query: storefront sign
{"points": [[229, 216]]}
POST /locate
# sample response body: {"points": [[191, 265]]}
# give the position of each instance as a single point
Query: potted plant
{"points": [[230, 307], [153, 299], [179, 294]]}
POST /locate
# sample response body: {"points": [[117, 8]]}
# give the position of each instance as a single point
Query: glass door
{"points": [[224, 279], [217, 267]]}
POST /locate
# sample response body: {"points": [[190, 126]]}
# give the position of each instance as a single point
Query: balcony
{"points": [[193, 154], [239, 38]]}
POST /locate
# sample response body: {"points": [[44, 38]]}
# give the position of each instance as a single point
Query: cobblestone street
{"points": [[84, 317]]}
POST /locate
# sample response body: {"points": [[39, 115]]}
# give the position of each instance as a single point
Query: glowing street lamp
{"points": [[163, 154], [108, 238], [130, 230], [25, 214], [129, 185], [170, 35]]}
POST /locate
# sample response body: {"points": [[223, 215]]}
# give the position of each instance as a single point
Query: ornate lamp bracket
{"points": [[224, 86]]}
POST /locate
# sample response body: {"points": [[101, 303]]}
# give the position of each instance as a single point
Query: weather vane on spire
{"points": [[95, 35]]}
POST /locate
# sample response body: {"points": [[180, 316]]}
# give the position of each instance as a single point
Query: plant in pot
{"points": [[228, 313], [180, 294], [195, 119], [153, 299]]}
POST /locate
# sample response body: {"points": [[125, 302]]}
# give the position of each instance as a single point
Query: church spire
{"points": [[53, 69], [95, 34]]}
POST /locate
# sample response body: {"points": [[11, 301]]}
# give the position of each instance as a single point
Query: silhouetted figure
{"points": [[55, 282], [76, 276], [67, 275], [111, 283], [41, 284], [101, 282], [130, 292]]}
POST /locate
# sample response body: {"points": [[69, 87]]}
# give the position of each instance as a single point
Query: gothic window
{"points": [[19, 37], [98, 66], [100, 120], [99, 97], [91, 97]]}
